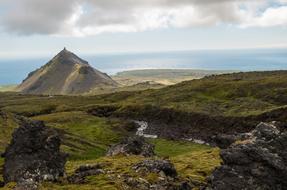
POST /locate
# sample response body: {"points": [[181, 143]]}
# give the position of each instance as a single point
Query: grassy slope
{"points": [[236, 94], [85, 136], [232, 95]]}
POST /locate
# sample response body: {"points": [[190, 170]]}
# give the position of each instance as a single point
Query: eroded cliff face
{"points": [[258, 161], [33, 155]]}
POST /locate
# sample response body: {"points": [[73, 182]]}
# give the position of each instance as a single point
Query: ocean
{"points": [[14, 71]]}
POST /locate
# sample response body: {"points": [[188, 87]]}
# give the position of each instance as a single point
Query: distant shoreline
{"points": [[13, 71]]}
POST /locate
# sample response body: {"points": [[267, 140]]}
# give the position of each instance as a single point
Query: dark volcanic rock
{"points": [[156, 166], [79, 177], [132, 146], [167, 180], [257, 162], [33, 155], [224, 140]]}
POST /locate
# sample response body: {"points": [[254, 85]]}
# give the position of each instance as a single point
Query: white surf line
{"points": [[143, 125]]}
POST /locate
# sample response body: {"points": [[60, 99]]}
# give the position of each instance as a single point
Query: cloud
{"points": [[91, 17], [36, 16], [271, 17]]}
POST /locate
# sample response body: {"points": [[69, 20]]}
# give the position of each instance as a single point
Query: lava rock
{"points": [[132, 146], [256, 162], [33, 155], [79, 177], [156, 166], [167, 176], [224, 140]]}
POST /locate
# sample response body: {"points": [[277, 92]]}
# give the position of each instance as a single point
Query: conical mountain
{"points": [[66, 73]]}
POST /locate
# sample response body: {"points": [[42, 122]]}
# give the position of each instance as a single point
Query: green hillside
{"points": [[229, 94], [88, 125], [238, 94]]}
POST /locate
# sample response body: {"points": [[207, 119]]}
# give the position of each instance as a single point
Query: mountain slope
{"points": [[66, 73]]}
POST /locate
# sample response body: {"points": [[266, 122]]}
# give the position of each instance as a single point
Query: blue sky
{"points": [[33, 28]]}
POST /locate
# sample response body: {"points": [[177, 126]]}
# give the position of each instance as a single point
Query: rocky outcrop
{"points": [[79, 177], [167, 176], [33, 155], [132, 146], [258, 161], [156, 166], [224, 140]]}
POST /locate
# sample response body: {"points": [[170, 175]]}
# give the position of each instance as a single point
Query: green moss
{"points": [[192, 161], [92, 128], [197, 165]]}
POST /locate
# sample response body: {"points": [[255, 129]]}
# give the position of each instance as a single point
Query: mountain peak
{"points": [[68, 57], [65, 51], [66, 73]]}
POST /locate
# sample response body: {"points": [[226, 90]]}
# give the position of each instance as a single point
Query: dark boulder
{"points": [[259, 161], [132, 146], [224, 140], [79, 177], [33, 155], [156, 166], [167, 176]]}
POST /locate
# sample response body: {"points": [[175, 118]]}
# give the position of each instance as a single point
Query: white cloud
{"points": [[271, 17], [91, 17]]}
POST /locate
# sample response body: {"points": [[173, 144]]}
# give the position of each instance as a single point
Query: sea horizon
{"points": [[13, 71]]}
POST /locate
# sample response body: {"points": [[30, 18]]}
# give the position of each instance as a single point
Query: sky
{"points": [[35, 28]]}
